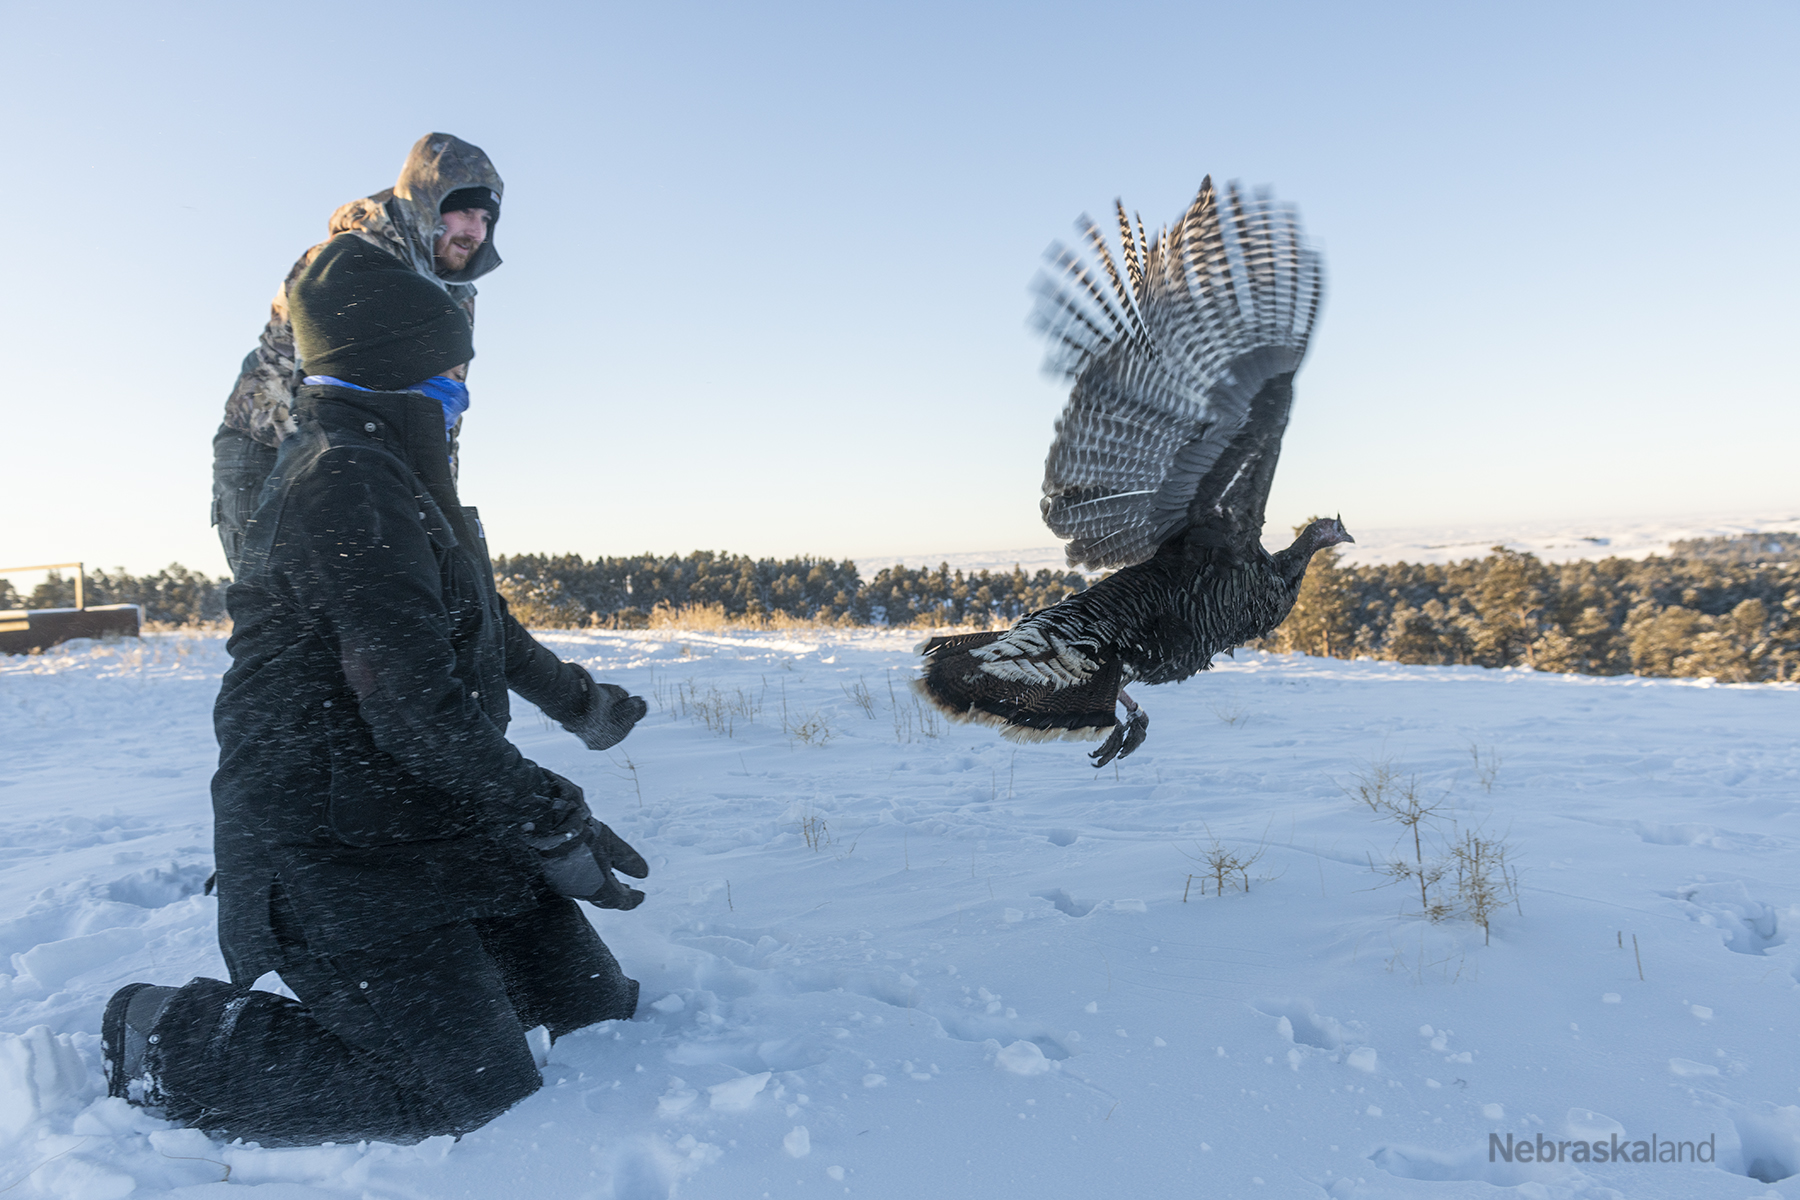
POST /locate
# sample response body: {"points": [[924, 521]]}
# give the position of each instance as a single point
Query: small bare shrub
{"points": [[812, 730], [814, 831], [1391, 796], [1487, 765], [719, 710], [1230, 711], [1470, 879], [860, 696], [1223, 864], [1484, 883]]}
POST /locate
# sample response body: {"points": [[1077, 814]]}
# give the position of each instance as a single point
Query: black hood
{"points": [[441, 163]]}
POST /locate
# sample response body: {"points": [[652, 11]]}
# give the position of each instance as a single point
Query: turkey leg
{"points": [[1126, 736]]}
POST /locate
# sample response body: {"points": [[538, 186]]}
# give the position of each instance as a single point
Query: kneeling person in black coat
{"points": [[379, 841]]}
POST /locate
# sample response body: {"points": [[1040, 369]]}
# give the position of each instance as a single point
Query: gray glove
{"points": [[583, 867], [609, 716], [579, 854]]}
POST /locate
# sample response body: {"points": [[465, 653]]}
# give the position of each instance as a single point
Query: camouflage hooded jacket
{"points": [[402, 221]]}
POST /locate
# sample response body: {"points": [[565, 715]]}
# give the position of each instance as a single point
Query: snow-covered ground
{"points": [[884, 957], [1551, 541]]}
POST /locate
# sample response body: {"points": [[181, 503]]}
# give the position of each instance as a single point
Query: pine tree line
{"points": [[1727, 617], [1720, 611], [566, 590], [174, 595], [1743, 548]]}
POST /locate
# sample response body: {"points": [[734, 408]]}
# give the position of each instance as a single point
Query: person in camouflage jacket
{"points": [[405, 221]]}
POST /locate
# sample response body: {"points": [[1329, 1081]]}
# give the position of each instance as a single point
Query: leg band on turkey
{"points": [[1183, 367]]}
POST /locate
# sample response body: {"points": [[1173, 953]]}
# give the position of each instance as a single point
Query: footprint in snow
{"points": [[157, 887], [1065, 903], [1749, 925], [1296, 1021]]}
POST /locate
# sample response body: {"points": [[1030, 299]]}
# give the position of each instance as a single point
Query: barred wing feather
{"points": [[1174, 410]]}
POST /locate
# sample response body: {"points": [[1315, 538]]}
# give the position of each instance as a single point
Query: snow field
{"points": [[884, 955]]}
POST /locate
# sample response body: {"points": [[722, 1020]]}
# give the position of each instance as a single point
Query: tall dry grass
{"points": [[712, 618]]}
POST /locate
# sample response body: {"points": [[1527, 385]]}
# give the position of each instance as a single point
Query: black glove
{"points": [[562, 814], [609, 716], [580, 854]]}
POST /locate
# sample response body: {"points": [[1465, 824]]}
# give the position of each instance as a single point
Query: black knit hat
{"points": [[473, 197], [363, 316]]}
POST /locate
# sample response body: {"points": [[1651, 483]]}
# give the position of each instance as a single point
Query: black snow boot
{"points": [[126, 1033]]}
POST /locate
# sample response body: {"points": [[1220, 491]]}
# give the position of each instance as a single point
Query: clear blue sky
{"points": [[767, 266]]}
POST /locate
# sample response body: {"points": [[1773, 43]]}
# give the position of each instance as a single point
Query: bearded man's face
{"points": [[460, 235]]}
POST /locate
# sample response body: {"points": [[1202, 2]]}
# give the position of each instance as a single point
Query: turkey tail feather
{"points": [[1133, 268], [1027, 706]]}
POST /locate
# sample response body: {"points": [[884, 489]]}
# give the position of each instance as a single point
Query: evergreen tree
{"points": [[1510, 603], [53, 592], [1424, 636], [1659, 636], [1783, 653]]}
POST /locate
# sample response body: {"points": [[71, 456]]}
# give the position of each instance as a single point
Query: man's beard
{"points": [[457, 254]]}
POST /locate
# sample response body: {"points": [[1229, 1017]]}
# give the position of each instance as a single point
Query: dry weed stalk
{"points": [[719, 710], [635, 781], [914, 720], [1487, 765], [712, 618], [860, 696], [814, 831], [811, 729]]}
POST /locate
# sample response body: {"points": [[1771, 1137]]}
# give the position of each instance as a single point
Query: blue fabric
{"points": [[451, 393]]}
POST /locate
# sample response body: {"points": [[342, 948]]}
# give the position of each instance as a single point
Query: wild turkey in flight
{"points": [[1184, 370]]}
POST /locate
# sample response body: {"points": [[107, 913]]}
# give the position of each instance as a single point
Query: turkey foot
{"points": [[1126, 736]]}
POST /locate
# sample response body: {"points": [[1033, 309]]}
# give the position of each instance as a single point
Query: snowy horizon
{"points": [[1551, 541]]}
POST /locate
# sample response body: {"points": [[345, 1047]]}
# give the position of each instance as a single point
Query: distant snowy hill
{"points": [[1552, 541]]}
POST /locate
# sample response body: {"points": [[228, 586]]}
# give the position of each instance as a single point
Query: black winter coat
{"points": [[363, 760]]}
